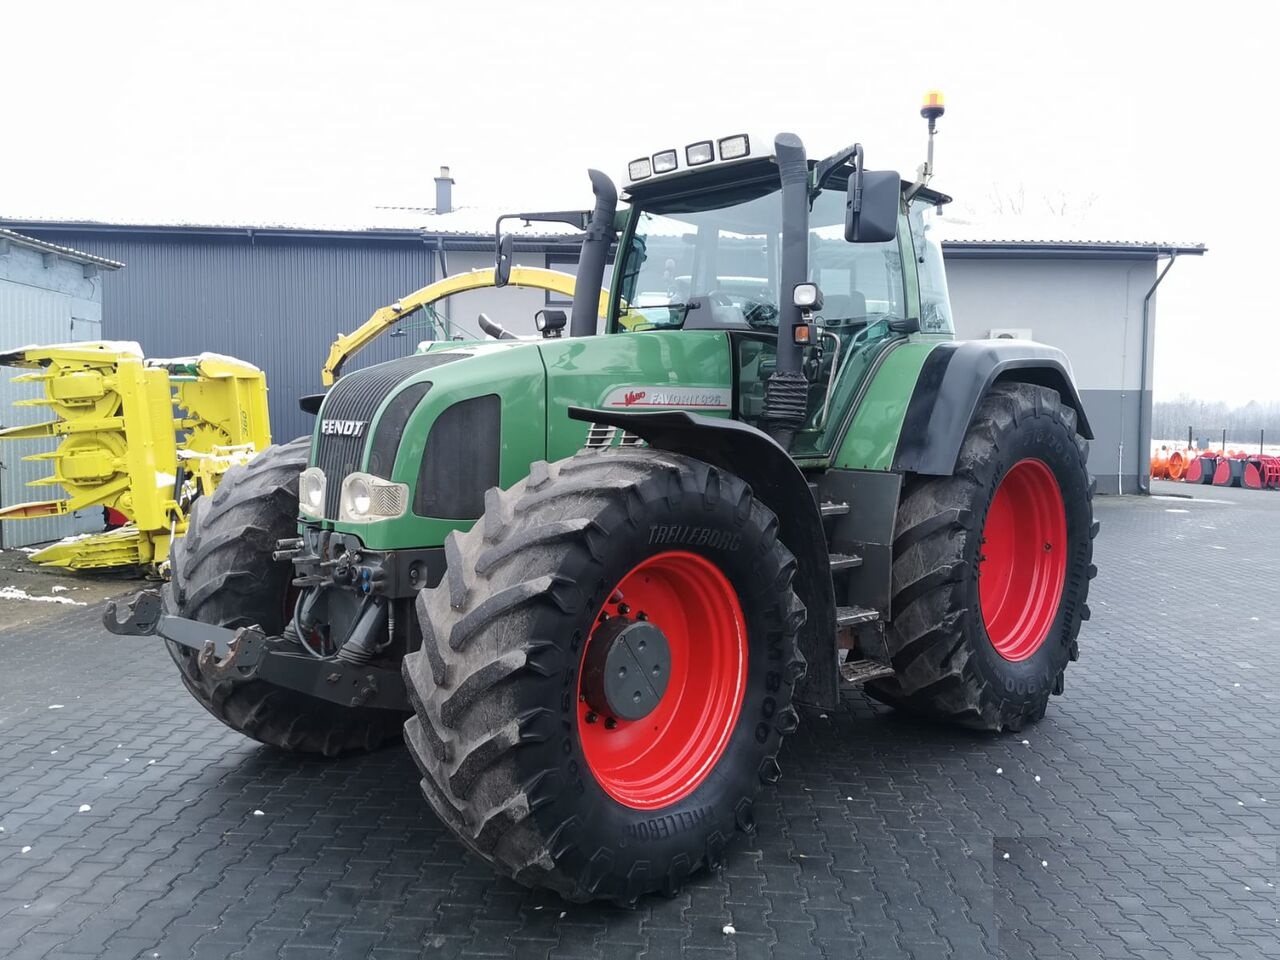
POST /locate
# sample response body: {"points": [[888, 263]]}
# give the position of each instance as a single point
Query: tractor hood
{"points": [[460, 418]]}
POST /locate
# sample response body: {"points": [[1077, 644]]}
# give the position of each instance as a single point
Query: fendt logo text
{"points": [[343, 428]]}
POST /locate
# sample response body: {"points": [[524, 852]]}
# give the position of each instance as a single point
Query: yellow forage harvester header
{"points": [[143, 437]]}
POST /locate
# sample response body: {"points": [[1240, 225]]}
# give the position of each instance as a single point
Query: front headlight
{"points": [[366, 497], [311, 492]]}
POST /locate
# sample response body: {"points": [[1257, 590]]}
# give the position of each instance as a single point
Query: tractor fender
{"points": [[777, 482], [952, 382]]}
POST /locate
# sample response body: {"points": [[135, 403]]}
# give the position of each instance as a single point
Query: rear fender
{"points": [[952, 382], [778, 483]]}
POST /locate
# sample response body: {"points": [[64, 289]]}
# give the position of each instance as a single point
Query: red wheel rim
{"points": [[663, 757], [1023, 565]]}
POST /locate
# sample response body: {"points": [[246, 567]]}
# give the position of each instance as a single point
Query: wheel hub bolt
{"points": [[591, 716], [610, 723]]}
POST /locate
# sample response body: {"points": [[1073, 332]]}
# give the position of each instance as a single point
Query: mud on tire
{"points": [[946, 664], [495, 685], [223, 573]]}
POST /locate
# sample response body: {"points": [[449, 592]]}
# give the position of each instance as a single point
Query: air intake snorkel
{"points": [[786, 395], [595, 252]]}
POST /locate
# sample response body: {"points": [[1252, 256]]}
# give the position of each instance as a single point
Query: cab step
{"points": [[829, 508], [852, 616], [858, 672], [844, 561]]}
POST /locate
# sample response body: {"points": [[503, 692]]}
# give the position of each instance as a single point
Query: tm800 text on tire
{"points": [[607, 672]]}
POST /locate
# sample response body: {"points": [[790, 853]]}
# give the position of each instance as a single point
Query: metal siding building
{"points": [[1088, 300], [277, 297], [48, 294]]}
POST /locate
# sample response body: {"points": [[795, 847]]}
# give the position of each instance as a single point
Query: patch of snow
{"points": [[26, 849], [1175, 510], [194, 361], [999, 769], [55, 706], [1006, 856], [113, 346], [258, 813], [1044, 863], [562, 914], [58, 588], [728, 930], [85, 808], [30, 550], [1037, 779], [13, 593]]}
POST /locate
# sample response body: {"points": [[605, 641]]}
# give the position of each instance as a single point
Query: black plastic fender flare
{"points": [[952, 382], [777, 482]]}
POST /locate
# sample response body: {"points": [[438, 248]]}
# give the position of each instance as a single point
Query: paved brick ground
{"points": [[1140, 819]]}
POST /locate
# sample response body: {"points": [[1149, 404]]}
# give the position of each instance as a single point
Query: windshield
{"points": [[719, 267]]}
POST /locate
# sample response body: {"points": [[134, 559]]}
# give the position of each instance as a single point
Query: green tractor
{"points": [[592, 576]]}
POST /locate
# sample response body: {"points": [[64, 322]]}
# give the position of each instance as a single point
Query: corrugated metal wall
{"points": [[39, 303], [277, 303]]}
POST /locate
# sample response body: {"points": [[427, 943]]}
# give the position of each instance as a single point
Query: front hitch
{"points": [[246, 653], [141, 614]]}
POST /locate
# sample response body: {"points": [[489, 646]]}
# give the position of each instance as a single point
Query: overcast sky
{"points": [[1149, 119]]}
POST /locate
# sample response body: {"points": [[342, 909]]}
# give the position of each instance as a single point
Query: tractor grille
{"points": [[355, 397]]}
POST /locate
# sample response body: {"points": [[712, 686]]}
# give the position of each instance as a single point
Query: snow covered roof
{"points": [[462, 221], [961, 232], [66, 253]]}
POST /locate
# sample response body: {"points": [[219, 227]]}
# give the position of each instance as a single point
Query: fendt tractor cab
{"points": [[592, 575]]}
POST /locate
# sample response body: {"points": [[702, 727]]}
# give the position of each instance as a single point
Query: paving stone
{"points": [[886, 837]]}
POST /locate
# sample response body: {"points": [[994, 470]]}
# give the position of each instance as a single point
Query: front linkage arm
{"points": [[246, 653]]}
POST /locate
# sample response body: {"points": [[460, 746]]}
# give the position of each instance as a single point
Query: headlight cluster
{"points": [[695, 154], [366, 497], [311, 490]]}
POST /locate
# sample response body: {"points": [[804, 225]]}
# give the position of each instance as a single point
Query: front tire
{"points": [[992, 566], [223, 573], [520, 755]]}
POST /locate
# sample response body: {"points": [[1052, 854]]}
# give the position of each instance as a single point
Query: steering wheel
{"points": [[760, 313]]}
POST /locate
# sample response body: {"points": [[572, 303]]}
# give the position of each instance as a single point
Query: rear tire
{"points": [[501, 731], [223, 573], [989, 659]]}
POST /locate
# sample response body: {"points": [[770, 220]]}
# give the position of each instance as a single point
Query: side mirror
{"points": [[550, 323], [871, 208], [502, 268]]}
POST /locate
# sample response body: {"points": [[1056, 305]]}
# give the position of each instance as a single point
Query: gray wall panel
{"points": [[1090, 309], [39, 303]]}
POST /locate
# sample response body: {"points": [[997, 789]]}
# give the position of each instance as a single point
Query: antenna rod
{"points": [[933, 108]]}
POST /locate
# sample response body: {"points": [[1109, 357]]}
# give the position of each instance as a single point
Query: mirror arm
{"points": [[830, 166]]}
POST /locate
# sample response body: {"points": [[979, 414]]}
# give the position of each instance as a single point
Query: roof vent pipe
{"points": [[444, 192]]}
